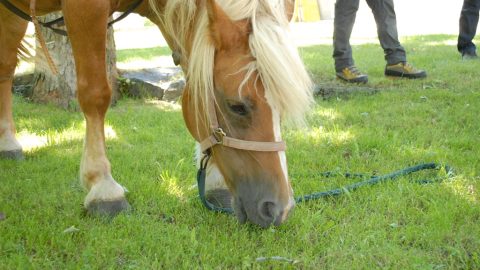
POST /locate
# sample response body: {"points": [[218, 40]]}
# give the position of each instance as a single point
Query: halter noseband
{"points": [[219, 137]]}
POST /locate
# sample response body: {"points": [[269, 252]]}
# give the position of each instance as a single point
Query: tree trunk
{"points": [[61, 89]]}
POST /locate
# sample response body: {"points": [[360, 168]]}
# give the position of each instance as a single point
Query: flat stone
{"points": [[164, 83], [23, 84], [174, 90]]}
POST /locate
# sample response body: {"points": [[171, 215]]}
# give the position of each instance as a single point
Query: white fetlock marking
{"points": [[214, 178], [105, 190], [8, 142]]}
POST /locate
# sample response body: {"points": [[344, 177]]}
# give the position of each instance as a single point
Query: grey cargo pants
{"points": [[385, 18]]}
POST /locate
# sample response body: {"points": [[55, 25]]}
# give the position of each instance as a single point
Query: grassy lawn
{"points": [[397, 225], [128, 55]]}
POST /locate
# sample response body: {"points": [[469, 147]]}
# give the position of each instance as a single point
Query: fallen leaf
{"points": [[72, 229], [276, 258]]}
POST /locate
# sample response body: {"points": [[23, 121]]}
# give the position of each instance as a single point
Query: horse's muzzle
{"points": [[260, 205]]}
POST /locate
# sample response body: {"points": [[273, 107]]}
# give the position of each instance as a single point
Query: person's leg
{"points": [[397, 66], [384, 13], [345, 13], [468, 27]]}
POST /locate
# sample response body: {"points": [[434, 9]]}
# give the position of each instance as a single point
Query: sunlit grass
{"points": [[172, 186], [397, 225], [164, 105], [327, 113], [335, 136], [33, 141], [148, 54], [468, 191]]}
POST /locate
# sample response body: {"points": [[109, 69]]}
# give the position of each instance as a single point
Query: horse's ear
{"points": [[225, 33], [289, 9]]}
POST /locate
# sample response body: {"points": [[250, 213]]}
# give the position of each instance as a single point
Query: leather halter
{"points": [[219, 137]]}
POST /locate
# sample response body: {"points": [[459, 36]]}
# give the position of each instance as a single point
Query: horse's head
{"points": [[252, 71]]}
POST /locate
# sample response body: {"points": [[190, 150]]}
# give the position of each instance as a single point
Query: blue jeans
{"points": [[385, 18], [468, 26]]}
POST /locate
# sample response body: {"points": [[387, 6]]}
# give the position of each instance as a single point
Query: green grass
{"points": [[398, 225], [128, 55]]}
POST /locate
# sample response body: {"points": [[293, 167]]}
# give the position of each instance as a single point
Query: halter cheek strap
{"points": [[219, 137]]}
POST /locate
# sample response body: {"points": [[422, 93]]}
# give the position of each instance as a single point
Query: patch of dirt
{"points": [[333, 90]]}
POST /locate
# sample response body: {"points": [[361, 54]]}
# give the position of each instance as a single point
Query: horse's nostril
{"points": [[268, 211]]}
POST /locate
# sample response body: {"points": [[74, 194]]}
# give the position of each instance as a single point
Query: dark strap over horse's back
{"points": [[127, 12], [60, 21], [16, 10]]}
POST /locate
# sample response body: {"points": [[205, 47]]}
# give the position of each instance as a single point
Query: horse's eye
{"points": [[239, 109]]}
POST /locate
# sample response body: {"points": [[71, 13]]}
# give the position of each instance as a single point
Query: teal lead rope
{"points": [[201, 175], [372, 180]]}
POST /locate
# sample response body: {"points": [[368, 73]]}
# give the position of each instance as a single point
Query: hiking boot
{"points": [[404, 70], [352, 75], [469, 55]]}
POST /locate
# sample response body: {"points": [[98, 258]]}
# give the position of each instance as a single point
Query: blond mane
{"points": [[277, 62]]}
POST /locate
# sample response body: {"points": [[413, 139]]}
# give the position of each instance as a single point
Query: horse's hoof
{"points": [[108, 208], [12, 154], [219, 197]]}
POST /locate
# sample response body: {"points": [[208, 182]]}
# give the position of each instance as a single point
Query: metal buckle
{"points": [[218, 133]]}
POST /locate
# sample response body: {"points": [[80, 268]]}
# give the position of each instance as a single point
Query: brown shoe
{"points": [[352, 75], [469, 55], [404, 70]]}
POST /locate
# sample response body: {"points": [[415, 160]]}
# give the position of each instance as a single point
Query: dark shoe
{"points": [[469, 55], [352, 75], [404, 70]]}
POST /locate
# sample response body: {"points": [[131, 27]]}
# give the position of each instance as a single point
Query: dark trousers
{"points": [[468, 26], [385, 18]]}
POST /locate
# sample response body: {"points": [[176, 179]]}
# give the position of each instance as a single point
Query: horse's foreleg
{"points": [[12, 31], [86, 23]]}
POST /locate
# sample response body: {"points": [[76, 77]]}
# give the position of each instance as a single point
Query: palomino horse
{"points": [[243, 76]]}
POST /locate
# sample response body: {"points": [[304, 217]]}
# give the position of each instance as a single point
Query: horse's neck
{"points": [[146, 11]]}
